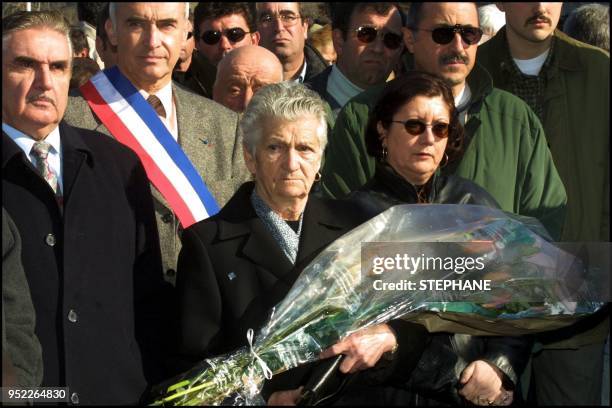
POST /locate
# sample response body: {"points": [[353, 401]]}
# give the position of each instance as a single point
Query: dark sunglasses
{"points": [[367, 34], [444, 35], [234, 35], [416, 127], [189, 35]]}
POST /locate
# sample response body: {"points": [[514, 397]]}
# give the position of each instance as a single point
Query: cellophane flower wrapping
{"points": [[334, 296]]}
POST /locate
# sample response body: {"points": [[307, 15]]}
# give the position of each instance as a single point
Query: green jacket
{"points": [[577, 124], [507, 153]]}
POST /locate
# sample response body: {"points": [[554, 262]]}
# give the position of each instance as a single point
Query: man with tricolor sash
{"points": [[188, 144]]}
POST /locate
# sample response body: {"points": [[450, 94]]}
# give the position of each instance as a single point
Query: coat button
{"points": [[74, 397], [167, 218], [50, 240], [72, 316]]}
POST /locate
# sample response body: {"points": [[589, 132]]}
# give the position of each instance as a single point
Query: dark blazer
{"points": [[94, 271], [232, 272]]}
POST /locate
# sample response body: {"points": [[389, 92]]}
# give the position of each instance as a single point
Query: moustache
{"points": [[537, 17], [454, 58], [36, 98]]}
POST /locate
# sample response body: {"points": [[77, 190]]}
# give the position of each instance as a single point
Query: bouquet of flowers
{"points": [[339, 292]]}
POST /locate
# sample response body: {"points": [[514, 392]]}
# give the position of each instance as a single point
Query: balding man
{"points": [[242, 72]]}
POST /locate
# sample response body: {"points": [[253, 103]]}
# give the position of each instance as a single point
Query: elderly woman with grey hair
{"points": [[237, 265]]}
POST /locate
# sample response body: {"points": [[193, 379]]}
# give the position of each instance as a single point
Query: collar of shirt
{"points": [[462, 103], [165, 96], [340, 87], [26, 143], [509, 66], [302, 76]]}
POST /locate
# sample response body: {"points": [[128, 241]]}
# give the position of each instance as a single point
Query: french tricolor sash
{"points": [[133, 122]]}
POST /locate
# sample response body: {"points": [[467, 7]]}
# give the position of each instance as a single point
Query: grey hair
{"points": [[491, 19], [24, 20], [590, 24], [287, 101], [112, 12]]}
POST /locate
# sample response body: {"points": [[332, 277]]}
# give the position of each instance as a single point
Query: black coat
{"points": [[216, 310], [231, 273], [434, 381], [94, 271]]}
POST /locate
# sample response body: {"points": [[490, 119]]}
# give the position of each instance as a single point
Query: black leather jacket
{"points": [[435, 380]]}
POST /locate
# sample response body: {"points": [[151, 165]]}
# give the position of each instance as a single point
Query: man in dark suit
{"points": [[83, 206], [149, 37]]}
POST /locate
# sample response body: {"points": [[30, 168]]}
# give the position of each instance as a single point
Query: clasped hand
{"points": [[482, 385]]}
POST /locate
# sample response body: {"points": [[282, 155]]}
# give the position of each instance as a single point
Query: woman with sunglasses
{"points": [[414, 131]]}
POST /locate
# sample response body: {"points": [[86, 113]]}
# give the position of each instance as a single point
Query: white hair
{"points": [[112, 12], [491, 19], [287, 101]]}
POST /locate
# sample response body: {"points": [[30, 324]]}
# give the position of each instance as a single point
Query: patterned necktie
{"points": [[40, 151], [157, 105]]}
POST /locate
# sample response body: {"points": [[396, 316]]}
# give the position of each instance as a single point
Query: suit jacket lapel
{"points": [[191, 131], [75, 152], [320, 228], [237, 219]]}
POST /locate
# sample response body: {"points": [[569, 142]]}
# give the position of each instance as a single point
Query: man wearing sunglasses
{"points": [[368, 44], [566, 83], [283, 28], [505, 150], [221, 27]]}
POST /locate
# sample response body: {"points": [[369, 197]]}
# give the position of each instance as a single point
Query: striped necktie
{"points": [[157, 105]]}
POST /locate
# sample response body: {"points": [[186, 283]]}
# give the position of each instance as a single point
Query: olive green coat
{"points": [[506, 153]]}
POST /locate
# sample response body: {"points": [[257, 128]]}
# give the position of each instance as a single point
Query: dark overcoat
{"points": [[94, 269]]}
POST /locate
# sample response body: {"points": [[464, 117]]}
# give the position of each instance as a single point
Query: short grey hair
{"points": [[24, 20], [112, 12], [590, 24], [287, 101]]}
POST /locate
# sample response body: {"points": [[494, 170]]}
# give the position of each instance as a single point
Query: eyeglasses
{"points": [[367, 34], [444, 35], [189, 34], [416, 127], [287, 18], [234, 35]]}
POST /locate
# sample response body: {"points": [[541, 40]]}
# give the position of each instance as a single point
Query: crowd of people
{"points": [[168, 173]]}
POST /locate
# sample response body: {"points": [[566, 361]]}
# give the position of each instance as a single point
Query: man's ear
{"points": [[255, 37], [249, 160], [408, 39], [338, 41], [111, 32]]}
